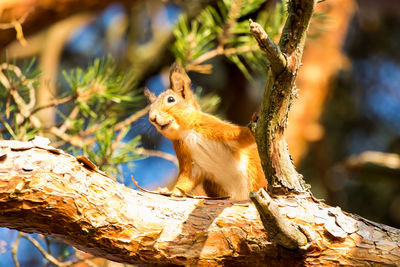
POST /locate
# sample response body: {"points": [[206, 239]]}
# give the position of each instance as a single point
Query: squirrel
{"points": [[217, 154]]}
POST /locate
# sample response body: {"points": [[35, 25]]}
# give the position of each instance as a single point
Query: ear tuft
{"points": [[180, 82], [150, 96]]}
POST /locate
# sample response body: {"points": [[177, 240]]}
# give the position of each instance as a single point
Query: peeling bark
{"points": [[44, 190]]}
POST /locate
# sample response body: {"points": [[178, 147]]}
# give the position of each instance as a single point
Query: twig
{"points": [[117, 140], [233, 15], [82, 259], [267, 45], [201, 197], [156, 153], [49, 59], [67, 123], [15, 250], [72, 139], [78, 140], [121, 125], [47, 255], [21, 20], [54, 103], [134, 117], [169, 194], [218, 52], [24, 107], [17, 25], [373, 165], [279, 170], [20, 34]]}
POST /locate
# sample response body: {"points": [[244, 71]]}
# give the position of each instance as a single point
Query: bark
{"points": [[46, 191], [283, 179], [285, 60], [43, 190]]}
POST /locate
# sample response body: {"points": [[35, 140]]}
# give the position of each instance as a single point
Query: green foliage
{"points": [[17, 92], [108, 157], [94, 102], [191, 42], [98, 87], [97, 93], [225, 31]]}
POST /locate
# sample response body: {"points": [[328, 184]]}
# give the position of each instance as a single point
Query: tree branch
{"points": [[271, 50], [90, 211], [279, 227], [14, 249], [269, 131], [278, 95]]}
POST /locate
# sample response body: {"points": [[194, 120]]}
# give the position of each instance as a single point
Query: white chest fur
{"points": [[218, 159]]}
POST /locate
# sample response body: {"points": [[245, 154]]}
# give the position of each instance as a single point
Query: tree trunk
{"points": [[43, 190]]}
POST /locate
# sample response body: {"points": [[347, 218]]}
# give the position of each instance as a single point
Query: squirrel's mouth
{"points": [[163, 126]]}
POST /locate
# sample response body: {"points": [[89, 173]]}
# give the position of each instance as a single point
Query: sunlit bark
{"points": [[45, 192]]}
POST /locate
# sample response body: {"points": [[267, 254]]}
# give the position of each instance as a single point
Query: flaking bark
{"points": [[43, 190]]}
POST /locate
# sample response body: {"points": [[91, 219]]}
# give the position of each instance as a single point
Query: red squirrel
{"points": [[219, 155]]}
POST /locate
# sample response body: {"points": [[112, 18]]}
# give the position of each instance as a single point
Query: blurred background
{"points": [[92, 60]]}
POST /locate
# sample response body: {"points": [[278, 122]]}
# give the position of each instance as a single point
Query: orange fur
{"points": [[221, 156]]}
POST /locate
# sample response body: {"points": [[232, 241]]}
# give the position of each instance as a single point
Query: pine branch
{"points": [[218, 52], [220, 32]]}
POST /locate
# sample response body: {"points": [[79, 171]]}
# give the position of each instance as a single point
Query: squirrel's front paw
{"points": [[166, 192], [163, 191], [178, 192]]}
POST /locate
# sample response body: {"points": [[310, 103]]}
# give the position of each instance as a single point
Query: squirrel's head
{"points": [[172, 110]]}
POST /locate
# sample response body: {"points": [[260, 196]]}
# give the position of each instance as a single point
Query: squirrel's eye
{"points": [[170, 99]]}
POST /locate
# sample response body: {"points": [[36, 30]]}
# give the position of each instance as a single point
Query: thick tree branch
{"points": [[46, 191]]}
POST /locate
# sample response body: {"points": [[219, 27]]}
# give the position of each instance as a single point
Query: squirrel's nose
{"points": [[152, 117]]}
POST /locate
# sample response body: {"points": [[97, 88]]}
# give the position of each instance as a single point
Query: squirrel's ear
{"points": [[150, 96], [180, 82]]}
